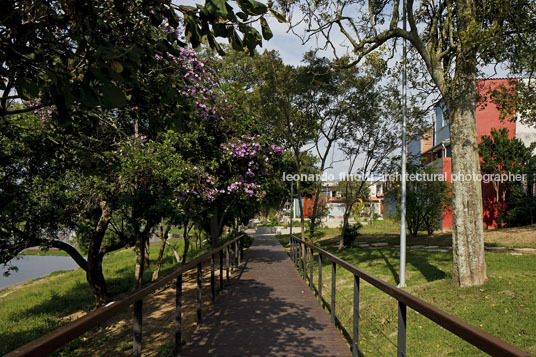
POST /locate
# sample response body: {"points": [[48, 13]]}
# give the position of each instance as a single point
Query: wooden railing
{"points": [[301, 253], [50, 342]]}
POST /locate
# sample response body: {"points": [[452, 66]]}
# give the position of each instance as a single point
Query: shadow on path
{"points": [[268, 311]]}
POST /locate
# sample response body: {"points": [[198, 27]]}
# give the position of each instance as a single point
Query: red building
{"points": [[487, 118]]}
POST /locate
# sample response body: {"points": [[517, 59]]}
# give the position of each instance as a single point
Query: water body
{"points": [[34, 266]]}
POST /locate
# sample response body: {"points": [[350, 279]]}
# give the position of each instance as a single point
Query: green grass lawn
{"points": [[385, 226], [50, 252], [38, 307], [504, 306]]}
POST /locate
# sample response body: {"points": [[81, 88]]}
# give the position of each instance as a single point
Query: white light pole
{"points": [[402, 282], [291, 205]]}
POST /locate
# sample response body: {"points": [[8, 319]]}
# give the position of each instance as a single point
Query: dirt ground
{"points": [[516, 237], [115, 338]]}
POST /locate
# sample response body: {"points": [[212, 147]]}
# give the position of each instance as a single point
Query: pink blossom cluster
{"points": [[205, 188], [249, 188], [44, 113], [125, 146], [198, 81], [250, 148], [198, 84], [168, 29]]}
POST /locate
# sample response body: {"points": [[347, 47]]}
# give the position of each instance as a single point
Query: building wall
{"points": [[419, 146], [487, 114], [527, 134], [446, 216], [414, 150], [442, 131], [487, 118]]}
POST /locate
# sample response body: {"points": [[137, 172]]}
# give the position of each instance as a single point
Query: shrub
{"points": [[350, 234]]}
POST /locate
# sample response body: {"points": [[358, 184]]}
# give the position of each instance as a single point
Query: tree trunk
{"points": [[163, 238], [236, 228], [94, 275], [140, 262], [469, 266], [300, 205], [344, 227], [175, 254], [96, 281], [186, 239], [214, 229], [147, 253], [312, 225], [142, 240]]}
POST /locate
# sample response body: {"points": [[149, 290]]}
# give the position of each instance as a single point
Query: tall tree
{"points": [[324, 90], [279, 91], [453, 39]]}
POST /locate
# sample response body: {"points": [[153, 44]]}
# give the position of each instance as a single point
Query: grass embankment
{"points": [[504, 306], [49, 252], [30, 310]]}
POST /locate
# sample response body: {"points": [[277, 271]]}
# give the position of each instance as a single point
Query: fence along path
{"points": [[267, 311]]}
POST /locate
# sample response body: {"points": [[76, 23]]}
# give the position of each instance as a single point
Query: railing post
{"points": [[295, 252], [212, 280], [221, 270], [236, 254], [311, 268], [137, 328], [298, 256], [241, 248], [355, 337], [333, 289], [401, 346], [178, 316], [291, 252], [227, 262], [320, 277], [304, 261], [199, 297]]}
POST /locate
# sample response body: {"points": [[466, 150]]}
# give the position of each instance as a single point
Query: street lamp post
{"points": [[291, 205], [402, 282]]}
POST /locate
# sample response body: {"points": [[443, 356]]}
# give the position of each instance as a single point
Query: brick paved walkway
{"points": [[267, 310]]}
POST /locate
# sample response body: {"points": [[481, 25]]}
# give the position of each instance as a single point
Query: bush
{"points": [[246, 241], [520, 210], [350, 234]]}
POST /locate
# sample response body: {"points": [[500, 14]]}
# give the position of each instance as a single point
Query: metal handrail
{"points": [[46, 344], [475, 336]]}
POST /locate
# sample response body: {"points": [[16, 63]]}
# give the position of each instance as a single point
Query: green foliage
{"points": [[350, 234], [425, 199], [521, 208], [502, 155], [119, 120]]}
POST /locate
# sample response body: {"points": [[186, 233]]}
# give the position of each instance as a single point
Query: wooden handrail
{"points": [[50, 342], [475, 336]]}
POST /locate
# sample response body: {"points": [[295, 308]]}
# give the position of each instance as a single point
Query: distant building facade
{"points": [[439, 149]]}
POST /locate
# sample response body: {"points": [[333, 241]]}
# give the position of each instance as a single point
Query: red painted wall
{"points": [[446, 221], [487, 114], [487, 118]]}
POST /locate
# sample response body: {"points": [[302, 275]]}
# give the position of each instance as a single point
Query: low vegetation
{"points": [[30, 310]]}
